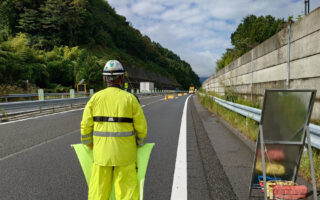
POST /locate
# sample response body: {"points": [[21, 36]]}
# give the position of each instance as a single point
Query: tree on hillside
{"points": [[92, 25], [254, 30], [250, 32], [61, 20]]}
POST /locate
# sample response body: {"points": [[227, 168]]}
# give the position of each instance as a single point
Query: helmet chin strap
{"points": [[118, 83]]}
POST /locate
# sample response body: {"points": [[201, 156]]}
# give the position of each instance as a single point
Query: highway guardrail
{"points": [[62, 95], [24, 107], [255, 114]]}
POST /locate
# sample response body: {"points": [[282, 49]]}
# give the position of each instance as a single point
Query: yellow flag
{"points": [[85, 157]]}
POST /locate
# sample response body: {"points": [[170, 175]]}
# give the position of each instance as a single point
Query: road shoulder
{"points": [[235, 152], [218, 184]]}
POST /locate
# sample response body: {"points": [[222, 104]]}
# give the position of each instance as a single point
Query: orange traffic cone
{"points": [[165, 98]]}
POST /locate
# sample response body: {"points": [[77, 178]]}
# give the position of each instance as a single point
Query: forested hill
{"points": [[55, 43]]}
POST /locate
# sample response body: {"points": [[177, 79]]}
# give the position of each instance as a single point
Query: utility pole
{"points": [[306, 7]]}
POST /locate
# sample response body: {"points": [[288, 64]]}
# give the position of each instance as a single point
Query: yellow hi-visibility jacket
{"points": [[114, 122]]}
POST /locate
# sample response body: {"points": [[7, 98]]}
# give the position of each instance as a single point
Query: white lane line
{"points": [[152, 102], [40, 144], [179, 186], [149, 97], [20, 120]]}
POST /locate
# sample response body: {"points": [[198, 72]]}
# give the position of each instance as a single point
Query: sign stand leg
{"points": [[263, 163], [314, 185]]}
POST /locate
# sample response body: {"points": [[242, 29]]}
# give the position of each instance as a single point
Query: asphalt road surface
{"points": [[37, 162]]}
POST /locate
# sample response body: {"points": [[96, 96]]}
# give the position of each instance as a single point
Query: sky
{"points": [[199, 30]]}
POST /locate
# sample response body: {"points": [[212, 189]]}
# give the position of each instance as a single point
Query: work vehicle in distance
{"points": [[146, 86], [191, 89]]}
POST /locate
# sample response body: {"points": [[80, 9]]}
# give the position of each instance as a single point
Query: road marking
{"points": [[152, 102], [45, 142], [179, 186], [37, 145], [20, 120], [149, 97]]}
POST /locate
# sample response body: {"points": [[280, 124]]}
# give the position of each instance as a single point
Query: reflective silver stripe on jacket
{"points": [[113, 134], [86, 136]]}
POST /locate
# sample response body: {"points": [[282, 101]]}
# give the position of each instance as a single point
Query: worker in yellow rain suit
{"points": [[113, 124]]}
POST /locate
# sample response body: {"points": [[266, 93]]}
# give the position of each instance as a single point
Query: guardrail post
{"points": [[40, 94], [91, 92], [132, 91], [71, 93]]}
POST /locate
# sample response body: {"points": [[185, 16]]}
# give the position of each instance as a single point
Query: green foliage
{"points": [[299, 17], [305, 171], [290, 18], [245, 125], [62, 65], [250, 32], [227, 57], [4, 116], [54, 25], [18, 62]]}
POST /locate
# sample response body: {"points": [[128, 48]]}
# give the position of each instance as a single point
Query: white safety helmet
{"points": [[113, 68]]}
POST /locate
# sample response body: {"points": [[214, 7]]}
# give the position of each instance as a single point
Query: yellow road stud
{"points": [[185, 93], [179, 94], [170, 96]]}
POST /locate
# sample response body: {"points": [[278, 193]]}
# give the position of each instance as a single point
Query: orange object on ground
{"points": [[165, 98], [273, 154]]}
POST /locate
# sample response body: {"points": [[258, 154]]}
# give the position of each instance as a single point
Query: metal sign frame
{"points": [[261, 142]]}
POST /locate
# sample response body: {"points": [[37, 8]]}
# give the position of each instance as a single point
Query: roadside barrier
{"points": [[255, 114], [24, 107]]}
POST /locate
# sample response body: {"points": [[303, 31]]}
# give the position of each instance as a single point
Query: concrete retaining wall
{"points": [[266, 66]]}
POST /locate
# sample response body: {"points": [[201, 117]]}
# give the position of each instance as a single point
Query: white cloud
{"points": [[221, 25], [146, 8], [199, 30]]}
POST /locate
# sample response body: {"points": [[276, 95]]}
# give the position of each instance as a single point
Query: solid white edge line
{"points": [[179, 186]]}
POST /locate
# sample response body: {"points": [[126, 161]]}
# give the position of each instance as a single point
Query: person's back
{"points": [[113, 124], [117, 138]]}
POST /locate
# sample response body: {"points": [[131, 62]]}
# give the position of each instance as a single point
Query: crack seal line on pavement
{"points": [[20, 120], [37, 145], [179, 186]]}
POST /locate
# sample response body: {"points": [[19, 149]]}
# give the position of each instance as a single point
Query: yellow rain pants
{"points": [[123, 177]]}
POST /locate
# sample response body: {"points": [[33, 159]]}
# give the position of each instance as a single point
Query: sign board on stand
{"points": [[283, 129]]}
